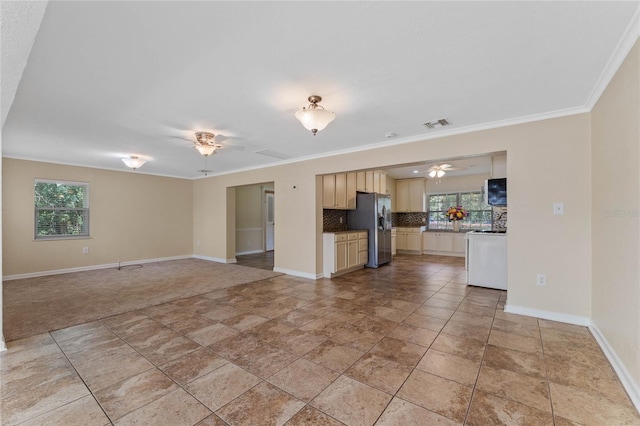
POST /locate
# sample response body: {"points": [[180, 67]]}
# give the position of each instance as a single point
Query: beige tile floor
{"points": [[407, 344]]}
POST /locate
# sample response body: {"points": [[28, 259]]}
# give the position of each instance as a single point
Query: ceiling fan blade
{"points": [[228, 147]]}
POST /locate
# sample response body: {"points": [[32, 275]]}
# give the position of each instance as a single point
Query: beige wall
{"points": [[549, 161], [456, 183], [616, 202], [133, 217]]}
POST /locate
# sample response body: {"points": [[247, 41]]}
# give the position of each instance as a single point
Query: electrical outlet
{"points": [[341, 220], [541, 279], [85, 250], [197, 242]]}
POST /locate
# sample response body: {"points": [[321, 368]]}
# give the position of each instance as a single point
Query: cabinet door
{"points": [[341, 256], [414, 241], [341, 191], [402, 196], [383, 183], [351, 190], [329, 191], [361, 184], [430, 241], [394, 244], [459, 243], [368, 181], [401, 242], [445, 242], [416, 195], [352, 253], [376, 182]]}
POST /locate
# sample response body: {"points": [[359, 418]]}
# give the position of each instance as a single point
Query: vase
{"points": [[456, 226]]}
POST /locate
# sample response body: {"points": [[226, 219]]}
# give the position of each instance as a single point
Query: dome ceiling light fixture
{"points": [[206, 144], [315, 117], [133, 162]]}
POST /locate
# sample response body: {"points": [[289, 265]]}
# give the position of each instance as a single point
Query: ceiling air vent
{"points": [[270, 153], [435, 124]]}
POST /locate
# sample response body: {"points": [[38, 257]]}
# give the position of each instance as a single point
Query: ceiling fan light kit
{"points": [[315, 117], [133, 162], [206, 144]]}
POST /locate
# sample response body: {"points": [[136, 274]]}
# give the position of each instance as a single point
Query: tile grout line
{"points": [[546, 372], [81, 378]]}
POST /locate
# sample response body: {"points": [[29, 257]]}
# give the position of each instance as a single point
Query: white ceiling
{"points": [[106, 80]]}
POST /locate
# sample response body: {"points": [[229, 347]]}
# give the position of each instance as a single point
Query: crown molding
{"points": [[629, 38]]}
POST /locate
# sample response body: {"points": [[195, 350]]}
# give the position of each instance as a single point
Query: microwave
{"points": [[495, 192]]}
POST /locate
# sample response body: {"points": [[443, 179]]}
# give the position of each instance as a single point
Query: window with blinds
{"points": [[61, 209], [479, 212]]}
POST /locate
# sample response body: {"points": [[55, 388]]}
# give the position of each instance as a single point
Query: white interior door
{"points": [[269, 225]]}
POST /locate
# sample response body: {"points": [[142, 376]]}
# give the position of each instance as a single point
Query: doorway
{"points": [[255, 225], [269, 223]]}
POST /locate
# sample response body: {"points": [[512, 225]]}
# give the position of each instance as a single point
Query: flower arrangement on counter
{"points": [[456, 213]]}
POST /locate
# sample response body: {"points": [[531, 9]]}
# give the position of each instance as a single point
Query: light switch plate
{"points": [[558, 208]]}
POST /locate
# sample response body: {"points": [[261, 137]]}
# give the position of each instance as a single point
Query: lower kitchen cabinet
{"points": [[444, 243], [343, 252], [394, 244], [409, 240]]}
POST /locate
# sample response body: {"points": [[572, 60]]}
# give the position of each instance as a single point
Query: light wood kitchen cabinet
{"points": [[369, 181], [459, 244], [410, 195], [343, 252], [394, 243], [444, 243], [338, 191], [409, 240], [363, 248], [351, 190], [361, 181]]}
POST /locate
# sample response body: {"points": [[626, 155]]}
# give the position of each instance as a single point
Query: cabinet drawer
{"points": [[362, 257], [341, 237], [353, 235], [362, 235]]}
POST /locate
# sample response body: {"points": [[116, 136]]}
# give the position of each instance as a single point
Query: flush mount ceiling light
{"points": [[133, 162], [315, 117], [206, 144]]}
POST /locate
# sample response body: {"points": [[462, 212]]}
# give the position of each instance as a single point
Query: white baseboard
{"points": [[214, 259], [629, 384], [298, 273], [552, 316], [3, 345], [91, 268], [249, 252]]}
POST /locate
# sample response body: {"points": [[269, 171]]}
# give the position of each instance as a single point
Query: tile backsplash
{"points": [[408, 219], [334, 220], [499, 219]]}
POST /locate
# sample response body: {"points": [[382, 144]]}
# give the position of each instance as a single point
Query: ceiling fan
{"points": [[208, 144], [439, 170]]}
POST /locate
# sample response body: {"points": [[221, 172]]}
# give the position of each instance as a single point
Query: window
{"points": [[61, 209], [479, 212]]}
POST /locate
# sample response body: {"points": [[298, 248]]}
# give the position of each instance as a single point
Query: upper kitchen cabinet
{"points": [[339, 191], [410, 196], [371, 181]]}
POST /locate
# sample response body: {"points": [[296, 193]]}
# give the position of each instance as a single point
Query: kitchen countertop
{"points": [[344, 232]]}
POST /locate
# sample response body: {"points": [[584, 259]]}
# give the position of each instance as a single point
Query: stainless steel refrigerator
{"points": [[373, 213]]}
